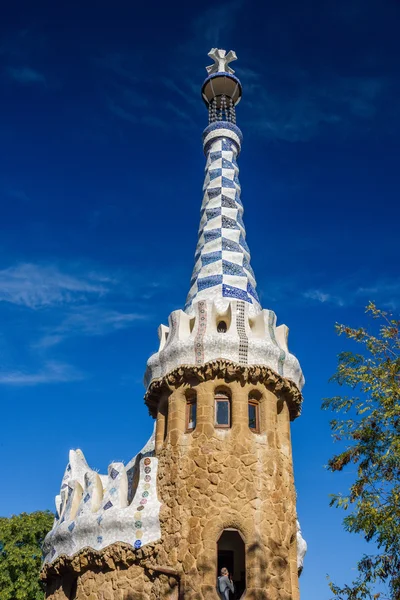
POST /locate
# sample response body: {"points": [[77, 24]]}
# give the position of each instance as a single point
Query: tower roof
{"points": [[223, 319], [222, 260]]}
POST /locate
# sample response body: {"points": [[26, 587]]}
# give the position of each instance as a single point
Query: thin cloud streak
{"points": [[385, 293], [36, 286], [299, 115], [52, 372], [26, 76], [88, 321]]}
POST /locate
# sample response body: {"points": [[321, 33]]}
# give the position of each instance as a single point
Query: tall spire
{"points": [[223, 319], [222, 260]]}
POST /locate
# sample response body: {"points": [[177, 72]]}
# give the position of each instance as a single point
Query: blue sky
{"points": [[100, 191]]}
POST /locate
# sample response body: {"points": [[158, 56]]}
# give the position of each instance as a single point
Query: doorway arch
{"points": [[231, 553]]}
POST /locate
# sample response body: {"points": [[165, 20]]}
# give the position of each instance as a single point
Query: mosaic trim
{"points": [[139, 516], [241, 329], [115, 510], [201, 330], [271, 328]]}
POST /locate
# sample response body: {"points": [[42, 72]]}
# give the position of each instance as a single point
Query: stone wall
{"points": [[116, 573], [212, 479], [208, 480]]}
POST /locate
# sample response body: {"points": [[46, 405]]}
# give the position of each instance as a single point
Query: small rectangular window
{"points": [[222, 411], [191, 413], [254, 416]]}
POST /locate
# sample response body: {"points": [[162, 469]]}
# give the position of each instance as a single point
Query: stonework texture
{"points": [[209, 480]]}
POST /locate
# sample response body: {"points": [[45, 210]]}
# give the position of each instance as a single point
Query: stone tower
{"points": [[214, 485]]}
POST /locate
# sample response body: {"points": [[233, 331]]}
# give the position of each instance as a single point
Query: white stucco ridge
{"points": [[249, 339], [301, 547], [94, 510]]}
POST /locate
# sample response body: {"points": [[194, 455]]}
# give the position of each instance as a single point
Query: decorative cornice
{"points": [[114, 556], [229, 371]]}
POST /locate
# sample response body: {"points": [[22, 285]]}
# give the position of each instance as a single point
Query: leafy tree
{"points": [[21, 538], [370, 428]]}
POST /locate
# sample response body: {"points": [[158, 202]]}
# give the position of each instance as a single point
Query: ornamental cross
{"points": [[221, 59]]}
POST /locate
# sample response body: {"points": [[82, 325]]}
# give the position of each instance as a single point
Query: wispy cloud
{"points": [[133, 97], [215, 22], [384, 292], [37, 286], [26, 75], [302, 107], [91, 321], [51, 372], [323, 297], [136, 117]]}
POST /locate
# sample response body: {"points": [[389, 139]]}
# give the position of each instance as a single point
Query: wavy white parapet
{"points": [[194, 339], [98, 510], [301, 548]]}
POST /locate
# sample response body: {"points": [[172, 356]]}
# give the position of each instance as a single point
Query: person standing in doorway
{"points": [[225, 584]]}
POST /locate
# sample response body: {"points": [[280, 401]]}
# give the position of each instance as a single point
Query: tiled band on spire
{"points": [[222, 260]]}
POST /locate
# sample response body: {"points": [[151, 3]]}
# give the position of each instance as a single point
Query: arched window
{"points": [[222, 410], [254, 412], [191, 411]]}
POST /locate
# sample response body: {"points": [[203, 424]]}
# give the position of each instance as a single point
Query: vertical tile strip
{"points": [[201, 330], [241, 329]]}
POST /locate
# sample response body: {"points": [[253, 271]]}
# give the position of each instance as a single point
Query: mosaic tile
{"points": [[72, 526], [206, 282], [114, 473], [227, 164], [212, 235], [227, 183], [243, 243], [108, 505], [232, 292], [251, 290], [241, 329], [211, 213], [228, 223], [214, 173], [215, 156], [207, 259], [213, 192], [229, 268], [231, 245]]}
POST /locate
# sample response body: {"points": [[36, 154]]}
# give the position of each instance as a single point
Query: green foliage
{"points": [[21, 539], [370, 428]]}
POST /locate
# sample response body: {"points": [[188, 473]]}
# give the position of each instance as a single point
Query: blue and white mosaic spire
{"points": [[222, 260], [223, 319]]}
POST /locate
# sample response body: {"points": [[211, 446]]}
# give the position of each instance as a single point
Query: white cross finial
{"points": [[221, 59]]}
